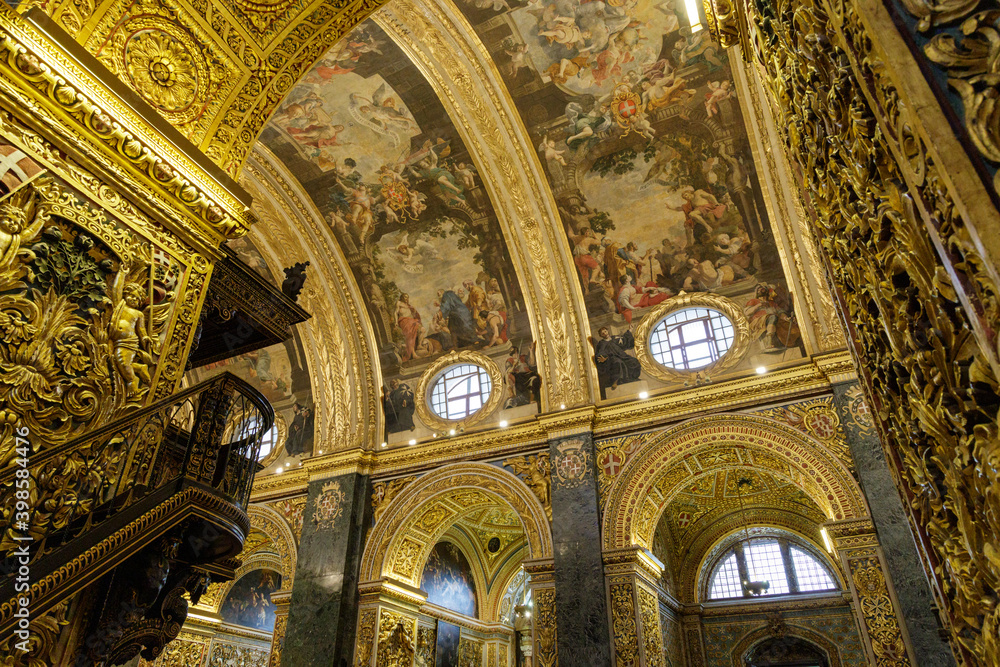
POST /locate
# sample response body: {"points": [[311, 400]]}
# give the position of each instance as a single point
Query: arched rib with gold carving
{"points": [[439, 40], [415, 520], [658, 471], [341, 342]]}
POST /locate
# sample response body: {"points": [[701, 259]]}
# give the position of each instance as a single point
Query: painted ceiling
{"points": [[637, 147]]}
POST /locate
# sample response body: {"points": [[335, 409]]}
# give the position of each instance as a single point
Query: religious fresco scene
{"points": [[248, 602], [639, 129], [368, 139]]}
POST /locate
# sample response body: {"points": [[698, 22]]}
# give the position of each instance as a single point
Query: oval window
{"points": [[691, 338], [460, 391]]}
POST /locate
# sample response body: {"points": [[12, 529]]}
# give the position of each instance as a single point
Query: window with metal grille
{"points": [[460, 391], [726, 583], [810, 574], [691, 338], [788, 568], [267, 443]]}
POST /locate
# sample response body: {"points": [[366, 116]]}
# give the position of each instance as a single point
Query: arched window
{"points": [[787, 566]]}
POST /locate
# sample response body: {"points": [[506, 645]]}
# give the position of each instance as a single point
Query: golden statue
{"points": [[128, 335]]}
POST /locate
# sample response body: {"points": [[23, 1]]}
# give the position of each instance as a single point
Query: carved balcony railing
{"points": [[206, 438]]}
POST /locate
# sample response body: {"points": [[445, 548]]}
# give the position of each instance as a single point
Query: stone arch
{"points": [[667, 461], [282, 558], [416, 519], [755, 637]]}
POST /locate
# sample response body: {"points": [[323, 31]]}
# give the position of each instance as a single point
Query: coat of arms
{"points": [[329, 505], [570, 464], [627, 109]]}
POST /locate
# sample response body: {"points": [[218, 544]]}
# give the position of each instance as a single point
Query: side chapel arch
{"points": [[755, 637], [416, 519], [282, 557], [659, 470]]}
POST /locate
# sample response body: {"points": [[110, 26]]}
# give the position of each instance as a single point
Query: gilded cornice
{"points": [[741, 393], [342, 347], [763, 606], [235, 60], [442, 44], [66, 95]]}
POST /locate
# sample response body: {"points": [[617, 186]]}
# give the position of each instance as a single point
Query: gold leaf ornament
{"points": [[162, 70]]}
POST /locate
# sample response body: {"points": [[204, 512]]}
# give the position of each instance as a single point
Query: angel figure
{"points": [[584, 125], [518, 56], [18, 220], [379, 114], [534, 470], [127, 332], [718, 91], [548, 149]]}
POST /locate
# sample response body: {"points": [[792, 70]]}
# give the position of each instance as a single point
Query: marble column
{"points": [[581, 609], [324, 605], [906, 575]]}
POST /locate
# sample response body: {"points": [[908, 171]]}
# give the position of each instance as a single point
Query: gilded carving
{"points": [[366, 638], [652, 640], [546, 654], [384, 492], [571, 463], [884, 213], [329, 505], [395, 640], [405, 563], [277, 639], [225, 654], [426, 645], [245, 56], [293, 511], [470, 652], [878, 613], [535, 471], [623, 623]]}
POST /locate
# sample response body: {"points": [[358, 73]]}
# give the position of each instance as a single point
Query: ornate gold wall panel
{"points": [[912, 278], [446, 49], [857, 545], [652, 639], [51, 91], [623, 624], [215, 70]]}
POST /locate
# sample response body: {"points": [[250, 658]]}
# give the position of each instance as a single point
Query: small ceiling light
{"points": [[694, 17], [562, 406], [644, 394], [451, 432], [503, 423], [435, 435], [384, 444], [300, 462], [761, 370], [321, 451], [413, 441], [279, 470]]}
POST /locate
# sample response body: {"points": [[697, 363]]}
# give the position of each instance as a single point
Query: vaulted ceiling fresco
{"points": [[370, 142], [640, 132]]}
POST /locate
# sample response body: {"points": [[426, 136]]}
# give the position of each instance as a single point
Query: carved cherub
{"points": [[535, 472], [128, 335]]}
